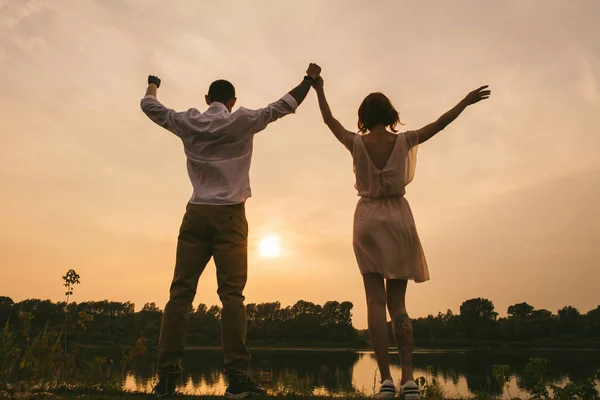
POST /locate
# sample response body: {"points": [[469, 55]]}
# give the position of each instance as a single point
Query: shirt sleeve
{"points": [[161, 115], [259, 119]]}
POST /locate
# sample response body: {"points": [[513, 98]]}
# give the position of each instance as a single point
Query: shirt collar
{"points": [[218, 105]]}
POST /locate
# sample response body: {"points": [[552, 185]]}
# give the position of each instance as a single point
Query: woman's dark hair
{"points": [[221, 91], [377, 109]]}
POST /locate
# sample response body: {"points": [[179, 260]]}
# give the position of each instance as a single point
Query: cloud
{"points": [[14, 12], [589, 78], [80, 163]]}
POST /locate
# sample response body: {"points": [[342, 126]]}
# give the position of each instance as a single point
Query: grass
{"points": [[140, 396], [42, 369]]}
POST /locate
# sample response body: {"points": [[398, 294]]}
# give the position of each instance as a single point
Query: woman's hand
{"points": [[313, 70], [317, 83], [477, 95]]}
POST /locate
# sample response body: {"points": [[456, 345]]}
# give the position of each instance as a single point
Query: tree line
{"points": [[305, 324], [478, 322], [117, 323]]}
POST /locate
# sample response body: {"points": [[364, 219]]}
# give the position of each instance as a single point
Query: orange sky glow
{"points": [[506, 199]]}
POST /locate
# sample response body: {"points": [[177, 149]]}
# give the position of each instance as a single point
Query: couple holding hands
{"points": [[218, 146]]}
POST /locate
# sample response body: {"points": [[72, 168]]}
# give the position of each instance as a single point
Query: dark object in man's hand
{"points": [[154, 79]]}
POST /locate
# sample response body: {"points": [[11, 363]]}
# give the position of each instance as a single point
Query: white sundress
{"points": [[385, 238]]}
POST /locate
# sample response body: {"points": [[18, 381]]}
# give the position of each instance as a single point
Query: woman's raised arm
{"points": [[345, 136]]}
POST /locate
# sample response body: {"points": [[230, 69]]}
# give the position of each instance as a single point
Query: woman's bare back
{"points": [[379, 145]]}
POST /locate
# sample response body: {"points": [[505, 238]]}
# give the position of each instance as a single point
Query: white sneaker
{"points": [[410, 391], [387, 390]]}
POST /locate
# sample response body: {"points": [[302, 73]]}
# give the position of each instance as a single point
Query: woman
{"points": [[385, 240]]}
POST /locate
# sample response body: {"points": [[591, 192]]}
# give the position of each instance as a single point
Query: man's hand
{"points": [[299, 92], [318, 83], [477, 95], [313, 70], [154, 79]]}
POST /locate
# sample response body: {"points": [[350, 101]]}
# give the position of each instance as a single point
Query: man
{"points": [[218, 147]]}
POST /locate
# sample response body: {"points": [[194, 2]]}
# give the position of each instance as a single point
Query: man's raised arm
{"points": [[153, 85], [158, 113], [299, 92], [286, 105]]}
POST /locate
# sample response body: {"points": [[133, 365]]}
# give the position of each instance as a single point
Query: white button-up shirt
{"points": [[218, 145]]}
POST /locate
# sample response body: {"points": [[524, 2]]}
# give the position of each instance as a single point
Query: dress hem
{"points": [[409, 278]]}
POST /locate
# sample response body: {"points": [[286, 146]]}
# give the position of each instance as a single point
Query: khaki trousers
{"points": [[209, 231]]}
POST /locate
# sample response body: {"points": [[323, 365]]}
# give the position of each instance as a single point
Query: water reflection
{"points": [[334, 372]]}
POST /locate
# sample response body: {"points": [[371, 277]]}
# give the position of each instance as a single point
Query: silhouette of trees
{"points": [[111, 322], [478, 322], [477, 317], [151, 307], [6, 309], [308, 324], [568, 317], [521, 311]]}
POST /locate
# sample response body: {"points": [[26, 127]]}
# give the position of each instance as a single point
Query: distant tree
{"points": [[541, 314], [265, 320], [521, 311], [201, 309], [518, 325], [592, 322], [215, 312], [542, 324], [6, 309], [449, 316], [149, 319], [71, 278], [204, 324], [594, 314], [476, 315], [336, 321], [568, 318], [568, 314], [345, 313], [305, 320], [44, 311], [478, 308], [150, 307], [6, 301]]}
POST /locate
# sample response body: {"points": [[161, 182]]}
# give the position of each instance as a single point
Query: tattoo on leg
{"points": [[404, 338]]}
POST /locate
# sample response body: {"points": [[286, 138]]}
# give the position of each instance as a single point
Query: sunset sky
{"points": [[506, 199]]}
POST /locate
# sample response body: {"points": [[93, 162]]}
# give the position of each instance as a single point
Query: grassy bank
{"points": [[136, 396], [42, 368]]}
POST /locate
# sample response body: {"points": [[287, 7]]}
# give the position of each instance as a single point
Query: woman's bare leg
{"points": [[401, 325], [377, 321]]}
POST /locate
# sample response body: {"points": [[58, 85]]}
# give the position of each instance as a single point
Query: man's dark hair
{"points": [[221, 91]]}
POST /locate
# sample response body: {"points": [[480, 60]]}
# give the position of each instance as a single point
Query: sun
{"points": [[269, 246]]}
